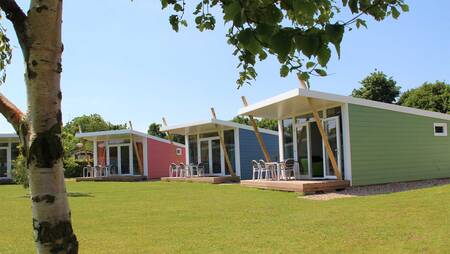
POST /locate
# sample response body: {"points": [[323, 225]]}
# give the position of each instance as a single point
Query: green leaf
{"points": [[353, 4], [395, 12], [324, 56], [310, 64], [360, 22], [303, 76], [321, 72], [284, 70], [262, 55], [164, 4], [405, 7], [231, 11], [173, 20], [248, 41], [334, 34], [178, 7], [309, 45], [281, 44]]}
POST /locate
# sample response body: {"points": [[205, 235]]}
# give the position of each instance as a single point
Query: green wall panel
{"points": [[390, 146]]}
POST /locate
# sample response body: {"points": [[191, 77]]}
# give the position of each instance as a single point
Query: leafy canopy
{"points": [[430, 96], [300, 33], [378, 87], [88, 123], [154, 129], [261, 123]]}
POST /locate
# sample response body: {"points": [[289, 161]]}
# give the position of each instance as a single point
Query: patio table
{"points": [[275, 165]]}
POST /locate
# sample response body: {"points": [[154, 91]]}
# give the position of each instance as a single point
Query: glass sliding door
{"points": [[113, 156], [3, 162], [316, 151], [125, 167], [303, 149], [310, 149], [331, 126], [119, 157], [211, 155], [216, 156], [204, 155]]}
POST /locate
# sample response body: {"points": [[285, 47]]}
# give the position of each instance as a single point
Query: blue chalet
{"points": [[203, 145]]}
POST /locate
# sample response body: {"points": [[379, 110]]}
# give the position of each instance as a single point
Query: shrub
{"points": [[20, 171], [73, 167]]}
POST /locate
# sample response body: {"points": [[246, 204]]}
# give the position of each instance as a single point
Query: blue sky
{"points": [[124, 62]]}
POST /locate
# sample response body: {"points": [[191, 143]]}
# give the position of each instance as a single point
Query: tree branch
{"points": [[12, 113], [19, 20]]}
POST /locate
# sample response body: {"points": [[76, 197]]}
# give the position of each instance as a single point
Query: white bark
{"points": [[51, 213]]}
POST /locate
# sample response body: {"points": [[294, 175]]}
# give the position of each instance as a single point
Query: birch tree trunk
{"points": [[39, 34], [51, 214]]}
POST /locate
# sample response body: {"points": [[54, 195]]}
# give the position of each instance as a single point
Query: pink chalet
{"points": [[132, 153]]}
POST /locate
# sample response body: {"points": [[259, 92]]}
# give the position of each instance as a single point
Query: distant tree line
{"points": [[261, 123], [433, 96]]}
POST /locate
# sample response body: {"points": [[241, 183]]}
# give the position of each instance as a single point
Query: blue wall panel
{"points": [[250, 150]]}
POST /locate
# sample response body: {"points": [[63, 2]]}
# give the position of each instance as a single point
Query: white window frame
{"points": [[444, 126]]}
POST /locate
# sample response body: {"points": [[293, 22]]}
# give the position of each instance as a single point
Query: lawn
{"points": [[156, 217]]}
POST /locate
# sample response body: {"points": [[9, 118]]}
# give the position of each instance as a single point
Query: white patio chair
{"points": [[287, 169], [99, 171], [113, 170], [88, 171], [183, 170], [257, 170], [173, 169], [201, 169], [267, 170]]}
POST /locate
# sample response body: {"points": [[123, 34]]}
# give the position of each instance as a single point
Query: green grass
{"points": [[200, 218]]}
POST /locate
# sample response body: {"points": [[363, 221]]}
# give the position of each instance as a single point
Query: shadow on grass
{"points": [[71, 195]]}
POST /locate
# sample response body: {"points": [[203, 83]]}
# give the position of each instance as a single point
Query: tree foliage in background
{"points": [[88, 123], [91, 123], [300, 34], [378, 87], [430, 96], [20, 173], [261, 123], [154, 129]]}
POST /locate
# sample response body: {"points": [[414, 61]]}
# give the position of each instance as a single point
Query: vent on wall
{"points": [[440, 129]]}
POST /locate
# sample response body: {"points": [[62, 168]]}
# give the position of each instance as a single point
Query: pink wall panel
{"points": [[160, 155]]}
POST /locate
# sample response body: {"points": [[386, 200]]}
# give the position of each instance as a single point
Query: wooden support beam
{"points": [[168, 133], [224, 147], [139, 160], [336, 169], [258, 135]]}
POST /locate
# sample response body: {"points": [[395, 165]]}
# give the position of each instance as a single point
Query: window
{"points": [[288, 142], [193, 152], [229, 143], [179, 151], [440, 129]]}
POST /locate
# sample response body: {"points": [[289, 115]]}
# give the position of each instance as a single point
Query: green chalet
{"points": [[372, 142]]}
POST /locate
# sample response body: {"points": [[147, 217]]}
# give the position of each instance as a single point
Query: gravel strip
{"points": [[378, 189]]}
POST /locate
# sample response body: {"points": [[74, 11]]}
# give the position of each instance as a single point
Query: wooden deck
{"points": [[203, 179], [304, 186], [112, 179]]}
